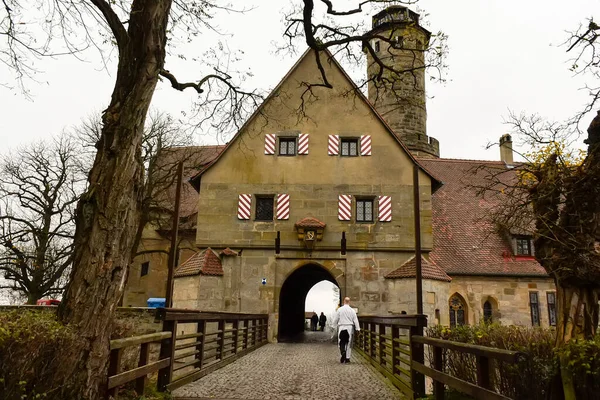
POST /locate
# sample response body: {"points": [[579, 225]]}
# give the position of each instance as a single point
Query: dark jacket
{"points": [[322, 320], [314, 319]]}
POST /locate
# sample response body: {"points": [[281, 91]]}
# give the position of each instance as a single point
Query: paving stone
{"points": [[293, 371]]}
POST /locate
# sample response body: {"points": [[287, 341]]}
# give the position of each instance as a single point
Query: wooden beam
{"points": [[130, 375], [459, 384], [135, 340], [489, 352]]}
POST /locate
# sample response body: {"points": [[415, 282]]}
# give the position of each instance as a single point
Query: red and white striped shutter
{"points": [[333, 147], [365, 145], [244, 206], [283, 206], [270, 141], [344, 207], [385, 208], [303, 143]]}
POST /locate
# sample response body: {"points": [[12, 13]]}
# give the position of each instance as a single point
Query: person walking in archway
{"points": [[345, 319], [314, 320], [322, 321]]}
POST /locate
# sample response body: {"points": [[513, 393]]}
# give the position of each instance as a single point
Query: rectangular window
{"points": [[264, 208], [287, 147], [535, 308], [145, 268], [364, 210], [377, 46], [523, 246], [349, 148], [551, 308]]}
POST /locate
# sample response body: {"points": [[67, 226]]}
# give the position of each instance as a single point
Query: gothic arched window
{"points": [[487, 312], [457, 310]]}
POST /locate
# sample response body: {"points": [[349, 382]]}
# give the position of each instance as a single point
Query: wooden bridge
{"points": [[393, 361]]}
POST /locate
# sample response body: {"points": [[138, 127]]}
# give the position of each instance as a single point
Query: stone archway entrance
{"points": [[293, 296]]}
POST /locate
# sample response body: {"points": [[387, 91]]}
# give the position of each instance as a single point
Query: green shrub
{"points": [[28, 343], [528, 379], [584, 364]]}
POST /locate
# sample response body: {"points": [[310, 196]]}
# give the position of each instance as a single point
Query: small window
{"points": [[535, 308], [487, 312], [349, 147], [145, 268], [287, 147], [551, 308], [264, 208], [364, 210], [377, 46], [398, 42], [523, 246]]}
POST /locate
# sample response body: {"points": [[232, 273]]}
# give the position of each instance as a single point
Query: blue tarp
{"points": [[154, 302]]}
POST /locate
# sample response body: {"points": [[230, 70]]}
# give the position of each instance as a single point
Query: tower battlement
{"points": [[398, 93]]}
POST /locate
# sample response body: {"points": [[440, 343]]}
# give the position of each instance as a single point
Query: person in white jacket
{"points": [[345, 319]]}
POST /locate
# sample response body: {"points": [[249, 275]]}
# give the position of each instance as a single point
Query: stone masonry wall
{"points": [[509, 297]]}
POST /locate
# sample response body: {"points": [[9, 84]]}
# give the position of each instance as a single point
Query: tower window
{"points": [[364, 210], [287, 147], [377, 46], [349, 147], [398, 42], [264, 208], [145, 268]]}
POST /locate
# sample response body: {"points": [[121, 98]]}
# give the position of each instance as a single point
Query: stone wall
{"points": [[359, 274], [435, 299], [509, 297], [154, 249]]}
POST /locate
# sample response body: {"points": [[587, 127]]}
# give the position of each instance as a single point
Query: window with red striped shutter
{"points": [[283, 206]]}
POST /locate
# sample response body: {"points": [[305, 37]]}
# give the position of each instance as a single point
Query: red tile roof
{"points": [[310, 222], [429, 270], [195, 159], [204, 262], [465, 241], [229, 252]]}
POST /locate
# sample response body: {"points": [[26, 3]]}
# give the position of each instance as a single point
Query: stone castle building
{"points": [[318, 190]]}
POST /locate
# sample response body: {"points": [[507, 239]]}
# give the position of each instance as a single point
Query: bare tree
{"points": [[108, 213], [583, 44], [327, 30], [39, 188]]}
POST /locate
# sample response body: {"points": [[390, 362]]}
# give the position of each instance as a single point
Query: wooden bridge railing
{"points": [[484, 389], [387, 343], [396, 347], [192, 345]]}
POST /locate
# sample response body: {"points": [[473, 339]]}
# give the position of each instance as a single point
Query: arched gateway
{"points": [[292, 298]]}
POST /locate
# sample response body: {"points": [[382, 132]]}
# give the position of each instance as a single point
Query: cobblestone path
{"points": [[292, 371]]}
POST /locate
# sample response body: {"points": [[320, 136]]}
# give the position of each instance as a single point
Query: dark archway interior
{"points": [[293, 296]]}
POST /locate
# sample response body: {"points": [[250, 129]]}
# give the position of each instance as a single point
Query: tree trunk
{"points": [[108, 213], [577, 319]]}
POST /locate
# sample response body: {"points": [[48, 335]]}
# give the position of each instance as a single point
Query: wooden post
{"points": [[417, 351], [174, 232], [395, 345], [254, 327], [483, 372], [372, 342], [438, 363], [236, 327], [140, 383], [167, 347], [417, 212], [245, 339], [113, 369], [381, 343], [221, 341], [201, 328]]}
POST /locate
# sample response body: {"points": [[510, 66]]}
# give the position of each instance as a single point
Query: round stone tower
{"points": [[400, 97]]}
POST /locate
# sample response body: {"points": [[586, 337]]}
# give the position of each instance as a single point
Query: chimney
{"points": [[506, 150]]}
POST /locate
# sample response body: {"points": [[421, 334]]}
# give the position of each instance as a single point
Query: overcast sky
{"points": [[503, 55]]}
